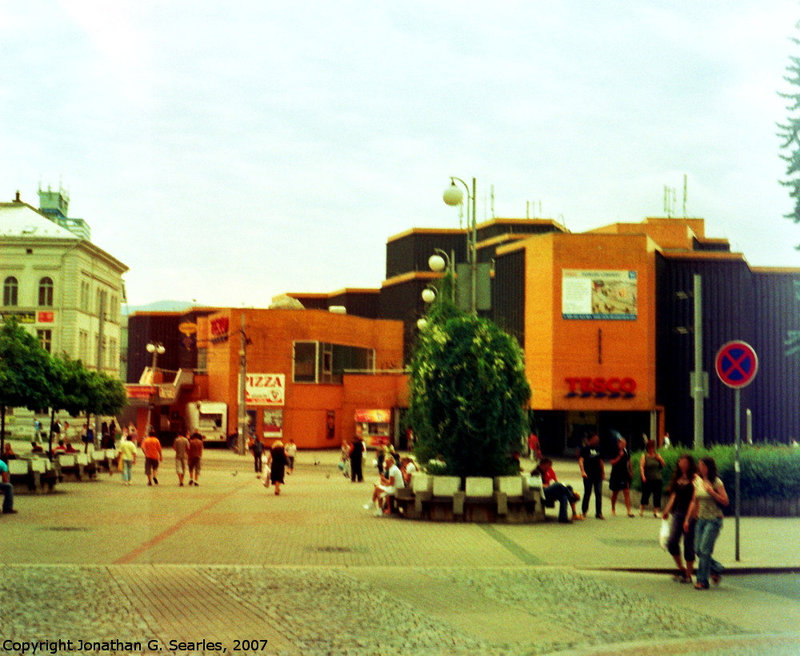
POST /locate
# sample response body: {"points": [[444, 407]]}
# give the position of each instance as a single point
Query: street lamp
{"points": [[438, 262], [428, 295], [454, 196], [156, 349]]}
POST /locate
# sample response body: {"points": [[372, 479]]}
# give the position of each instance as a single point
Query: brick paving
{"points": [[313, 572]]}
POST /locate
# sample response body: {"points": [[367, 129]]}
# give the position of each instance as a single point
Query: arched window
{"points": [[46, 292], [10, 291]]}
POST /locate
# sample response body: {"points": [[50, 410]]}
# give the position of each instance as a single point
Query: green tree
{"points": [[468, 392], [790, 134], [24, 369], [69, 389], [106, 394]]}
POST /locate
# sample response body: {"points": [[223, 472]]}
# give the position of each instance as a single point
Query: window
{"points": [[10, 291], [112, 353], [45, 339], [113, 311], [84, 296], [305, 362], [202, 359], [83, 345], [46, 292], [316, 362]]}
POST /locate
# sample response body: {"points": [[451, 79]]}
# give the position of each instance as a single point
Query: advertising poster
{"points": [[596, 294], [265, 389], [273, 423]]}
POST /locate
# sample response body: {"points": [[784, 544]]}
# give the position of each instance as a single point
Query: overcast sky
{"points": [[231, 151]]}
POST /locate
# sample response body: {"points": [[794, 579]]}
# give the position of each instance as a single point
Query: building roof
{"points": [[22, 220]]}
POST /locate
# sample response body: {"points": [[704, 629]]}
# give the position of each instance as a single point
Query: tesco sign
{"points": [[612, 388]]}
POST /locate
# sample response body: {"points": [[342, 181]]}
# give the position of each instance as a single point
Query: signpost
{"points": [[736, 365]]}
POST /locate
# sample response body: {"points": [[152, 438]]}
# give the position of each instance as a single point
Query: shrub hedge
{"points": [[767, 470]]}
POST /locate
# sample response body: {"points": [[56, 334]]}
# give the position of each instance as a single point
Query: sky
{"points": [[228, 152]]}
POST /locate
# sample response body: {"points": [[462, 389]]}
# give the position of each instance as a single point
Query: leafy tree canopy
{"points": [[23, 368], [790, 135], [468, 391]]}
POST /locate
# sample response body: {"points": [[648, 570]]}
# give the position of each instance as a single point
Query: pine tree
{"points": [[790, 134]]}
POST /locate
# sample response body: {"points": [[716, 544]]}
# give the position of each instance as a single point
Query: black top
{"points": [[591, 461], [683, 497]]}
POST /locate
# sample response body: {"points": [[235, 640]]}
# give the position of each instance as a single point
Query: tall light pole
{"points": [[454, 196], [156, 348], [441, 261], [242, 418]]}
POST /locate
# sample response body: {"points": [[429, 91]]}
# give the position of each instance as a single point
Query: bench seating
{"points": [[505, 499]]}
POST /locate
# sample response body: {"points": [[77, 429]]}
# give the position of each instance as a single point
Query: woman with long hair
{"points": [[707, 502], [650, 466], [681, 492]]}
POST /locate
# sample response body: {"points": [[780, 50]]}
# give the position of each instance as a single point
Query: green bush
{"points": [[767, 470], [468, 391]]}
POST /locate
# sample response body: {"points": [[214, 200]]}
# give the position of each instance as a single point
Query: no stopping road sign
{"points": [[736, 364]]}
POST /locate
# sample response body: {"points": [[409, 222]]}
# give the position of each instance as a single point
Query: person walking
{"points": [[621, 477], [650, 465], [195, 458], [151, 447], [357, 449], [681, 491], [258, 451], [593, 473], [707, 502], [181, 446], [127, 451], [291, 452], [277, 464]]}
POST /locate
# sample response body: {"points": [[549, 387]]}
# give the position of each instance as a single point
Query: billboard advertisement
{"points": [[265, 389], [599, 294]]}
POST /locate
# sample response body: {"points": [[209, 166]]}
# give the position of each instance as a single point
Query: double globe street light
{"points": [[453, 196], [156, 349]]}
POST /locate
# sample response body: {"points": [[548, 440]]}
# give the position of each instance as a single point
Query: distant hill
{"points": [[157, 306]]}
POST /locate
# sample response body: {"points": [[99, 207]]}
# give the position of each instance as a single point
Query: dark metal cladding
{"points": [[359, 304], [411, 251], [738, 304], [403, 301], [157, 327], [508, 294], [498, 227]]}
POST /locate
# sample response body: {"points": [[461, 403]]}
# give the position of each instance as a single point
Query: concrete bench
{"points": [[68, 466], [44, 475]]}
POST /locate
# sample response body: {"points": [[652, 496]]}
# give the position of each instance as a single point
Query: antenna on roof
{"points": [[670, 198], [491, 195], [685, 193]]}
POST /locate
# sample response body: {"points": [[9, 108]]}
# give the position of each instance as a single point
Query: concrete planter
{"points": [[479, 487], [446, 486]]}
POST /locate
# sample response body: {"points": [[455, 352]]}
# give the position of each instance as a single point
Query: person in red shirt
{"points": [[195, 456], [151, 446], [554, 491], [534, 447]]}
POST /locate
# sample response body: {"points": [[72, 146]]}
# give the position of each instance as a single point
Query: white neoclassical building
{"points": [[60, 286]]}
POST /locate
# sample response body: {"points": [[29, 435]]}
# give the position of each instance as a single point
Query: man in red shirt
{"points": [[195, 456], [152, 457]]}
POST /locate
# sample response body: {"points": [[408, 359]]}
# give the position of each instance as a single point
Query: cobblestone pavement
{"points": [[165, 569]]}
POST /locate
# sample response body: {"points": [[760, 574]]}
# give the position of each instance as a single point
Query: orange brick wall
{"points": [[557, 348], [272, 333]]}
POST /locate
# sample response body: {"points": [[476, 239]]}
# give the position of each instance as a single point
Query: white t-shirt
{"points": [[395, 473]]}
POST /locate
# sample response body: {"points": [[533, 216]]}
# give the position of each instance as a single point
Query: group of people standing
{"points": [[696, 496], [188, 457]]}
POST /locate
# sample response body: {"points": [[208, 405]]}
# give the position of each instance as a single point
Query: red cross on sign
{"points": [[736, 364]]}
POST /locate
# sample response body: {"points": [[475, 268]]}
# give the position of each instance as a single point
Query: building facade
{"points": [[60, 286]]}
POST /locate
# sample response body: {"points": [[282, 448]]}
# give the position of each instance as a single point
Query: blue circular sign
{"points": [[736, 364]]}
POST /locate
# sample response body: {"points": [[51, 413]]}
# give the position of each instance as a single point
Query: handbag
{"points": [[663, 533]]}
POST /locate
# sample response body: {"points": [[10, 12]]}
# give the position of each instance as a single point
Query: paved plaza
{"points": [[229, 567]]}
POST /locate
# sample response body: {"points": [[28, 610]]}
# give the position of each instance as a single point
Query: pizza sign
{"points": [[265, 389]]}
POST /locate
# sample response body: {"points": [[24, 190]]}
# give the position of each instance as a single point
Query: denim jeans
{"points": [[595, 484], [706, 532], [127, 467], [558, 492], [8, 496]]}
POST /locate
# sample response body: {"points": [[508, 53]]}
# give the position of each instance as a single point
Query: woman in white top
{"points": [[709, 498]]}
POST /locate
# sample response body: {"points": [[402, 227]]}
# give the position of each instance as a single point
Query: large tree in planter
{"points": [[24, 368], [468, 392]]}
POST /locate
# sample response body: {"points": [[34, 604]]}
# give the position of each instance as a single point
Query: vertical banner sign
{"points": [[736, 365]]}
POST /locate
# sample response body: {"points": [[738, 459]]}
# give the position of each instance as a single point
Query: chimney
{"points": [[17, 198]]}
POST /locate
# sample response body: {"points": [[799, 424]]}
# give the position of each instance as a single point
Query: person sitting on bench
{"points": [[387, 488], [555, 491]]}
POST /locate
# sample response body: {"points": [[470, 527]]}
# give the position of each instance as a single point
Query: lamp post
{"points": [[454, 196], [156, 349]]}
